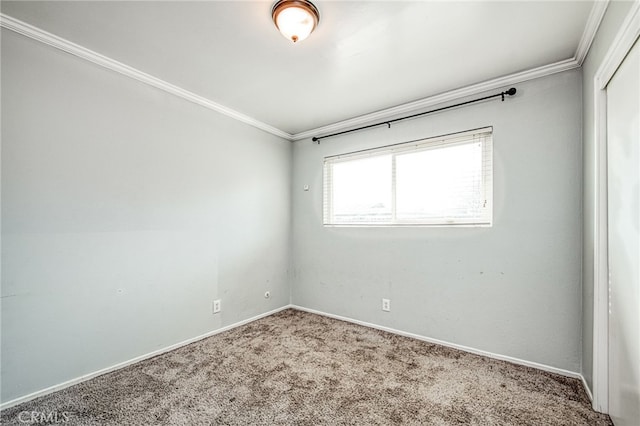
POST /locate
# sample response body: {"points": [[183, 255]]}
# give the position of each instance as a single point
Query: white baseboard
{"points": [[513, 360], [118, 366], [587, 389]]}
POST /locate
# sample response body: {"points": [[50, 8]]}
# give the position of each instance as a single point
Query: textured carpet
{"points": [[298, 368]]}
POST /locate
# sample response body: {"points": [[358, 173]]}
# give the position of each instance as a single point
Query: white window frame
{"points": [[483, 135]]}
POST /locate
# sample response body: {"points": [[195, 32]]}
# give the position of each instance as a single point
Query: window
{"points": [[446, 181]]}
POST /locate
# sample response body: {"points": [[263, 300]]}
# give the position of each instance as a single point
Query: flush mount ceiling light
{"points": [[295, 19]]}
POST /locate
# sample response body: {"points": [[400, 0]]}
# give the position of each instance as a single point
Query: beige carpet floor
{"points": [[296, 368]]}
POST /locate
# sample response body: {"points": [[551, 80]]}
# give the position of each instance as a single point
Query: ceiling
{"points": [[365, 56]]}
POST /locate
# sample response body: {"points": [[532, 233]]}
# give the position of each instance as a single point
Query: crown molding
{"points": [[441, 98], [620, 46], [67, 46], [593, 23]]}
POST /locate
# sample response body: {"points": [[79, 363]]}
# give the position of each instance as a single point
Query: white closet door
{"points": [[623, 151]]}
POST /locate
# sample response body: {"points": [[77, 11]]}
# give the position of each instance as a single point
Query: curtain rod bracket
{"points": [[509, 92]]}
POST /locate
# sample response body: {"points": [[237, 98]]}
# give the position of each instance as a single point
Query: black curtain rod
{"points": [[509, 92]]}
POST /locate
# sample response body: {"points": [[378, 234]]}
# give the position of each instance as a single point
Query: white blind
{"points": [[446, 180]]}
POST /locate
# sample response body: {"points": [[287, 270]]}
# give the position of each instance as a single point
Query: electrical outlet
{"points": [[386, 305], [216, 306]]}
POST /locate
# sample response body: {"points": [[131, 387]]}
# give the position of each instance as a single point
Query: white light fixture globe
{"points": [[295, 19]]}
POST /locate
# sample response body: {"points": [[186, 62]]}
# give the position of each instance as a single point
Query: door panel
{"points": [[623, 151]]}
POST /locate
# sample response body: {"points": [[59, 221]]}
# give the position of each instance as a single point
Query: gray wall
{"points": [[125, 212], [512, 289], [616, 12]]}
